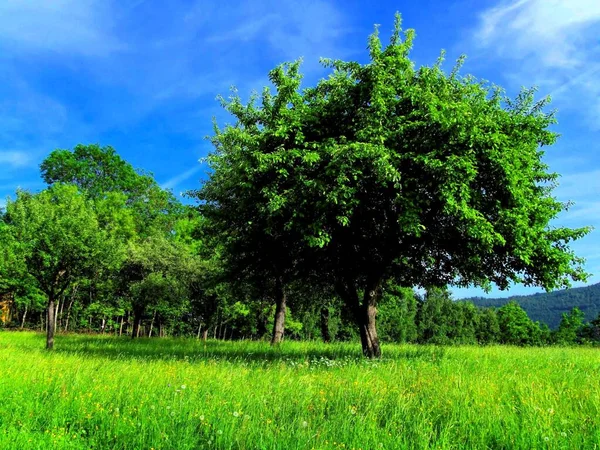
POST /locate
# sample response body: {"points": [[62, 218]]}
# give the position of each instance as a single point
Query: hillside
{"points": [[548, 307]]}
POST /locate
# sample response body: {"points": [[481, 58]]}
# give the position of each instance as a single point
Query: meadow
{"points": [[104, 392]]}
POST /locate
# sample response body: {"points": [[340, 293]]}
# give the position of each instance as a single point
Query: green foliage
{"points": [[548, 307], [571, 328], [488, 327], [397, 313], [58, 238], [100, 172], [385, 171], [516, 328]]}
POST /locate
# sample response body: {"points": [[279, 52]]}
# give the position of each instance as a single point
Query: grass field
{"points": [[109, 393]]}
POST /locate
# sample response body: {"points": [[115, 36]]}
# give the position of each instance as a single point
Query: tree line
{"points": [[317, 200]]}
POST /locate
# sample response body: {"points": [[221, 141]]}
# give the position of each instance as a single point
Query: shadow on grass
{"points": [[252, 352]]}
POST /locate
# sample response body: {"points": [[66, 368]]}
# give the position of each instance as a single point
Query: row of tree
{"points": [[404, 317], [381, 174]]}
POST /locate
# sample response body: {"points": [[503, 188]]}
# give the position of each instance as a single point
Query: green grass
{"points": [[109, 393]]}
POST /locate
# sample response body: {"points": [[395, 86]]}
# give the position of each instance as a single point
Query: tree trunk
{"points": [[121, 326], [137, 318], [205, 334], [75, 289], [325, 324], [364, 314], [152, 324], [199, 330], [24, 316], [56, 315], [61, 314], [368, 332], [280, 308], [51, 324], [68, 315], [368, 315]]}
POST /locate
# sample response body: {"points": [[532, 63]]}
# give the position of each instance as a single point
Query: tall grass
{"points": [[111, 393]]}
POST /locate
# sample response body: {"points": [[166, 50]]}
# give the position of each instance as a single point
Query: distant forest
{"points": [[549, 307]]}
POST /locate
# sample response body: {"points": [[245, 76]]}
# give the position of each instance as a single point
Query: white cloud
{"points": [[176, 180], [15, 159], [80, 27], [579, 186], [553, 43]]}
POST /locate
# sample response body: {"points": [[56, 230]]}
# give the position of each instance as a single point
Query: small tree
{"points": [[57, 241], [516, 328], [570, 328], [488, 327]]}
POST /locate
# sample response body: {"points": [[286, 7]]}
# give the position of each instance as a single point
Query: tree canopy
{"points": [[385, 171]]}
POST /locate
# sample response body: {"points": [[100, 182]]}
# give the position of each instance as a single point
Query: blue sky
{"points": [[142, 75]]}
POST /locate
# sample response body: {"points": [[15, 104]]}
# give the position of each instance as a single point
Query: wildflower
{"points": [[546, 438], [236, 414], [172, 413], [201, 417], [183, 386], [219, 432], [304, 424], [550, 411], [563, 434]]}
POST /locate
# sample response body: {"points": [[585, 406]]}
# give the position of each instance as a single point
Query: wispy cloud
{"points": [[15, 159], [178, 179], [62, 26], [554, 44]]}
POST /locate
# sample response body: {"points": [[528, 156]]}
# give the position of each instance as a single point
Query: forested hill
{"points": [[548, 307]]}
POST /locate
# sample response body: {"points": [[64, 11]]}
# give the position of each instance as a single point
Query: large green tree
{"points": [[100, 171], [56, 240], [387, 171]]}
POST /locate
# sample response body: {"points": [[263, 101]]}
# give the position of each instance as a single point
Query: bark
{"points": [[68, 315], [205, 334], [24, 316], [121, 326], [368, 328], [280, 308], [137, 318], [325, 324], [152, 324], [75, 289], [365, 314], [51, 323], [56, 315], [61, 314], [199, 330]]}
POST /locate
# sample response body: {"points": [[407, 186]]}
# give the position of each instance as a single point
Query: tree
{"points": [[157, 275], [488, 327], [571, 327], [398, 309], [57, 240], [100, 171], [516, 328], [239, 202], [384, 171], [433, 317]]}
